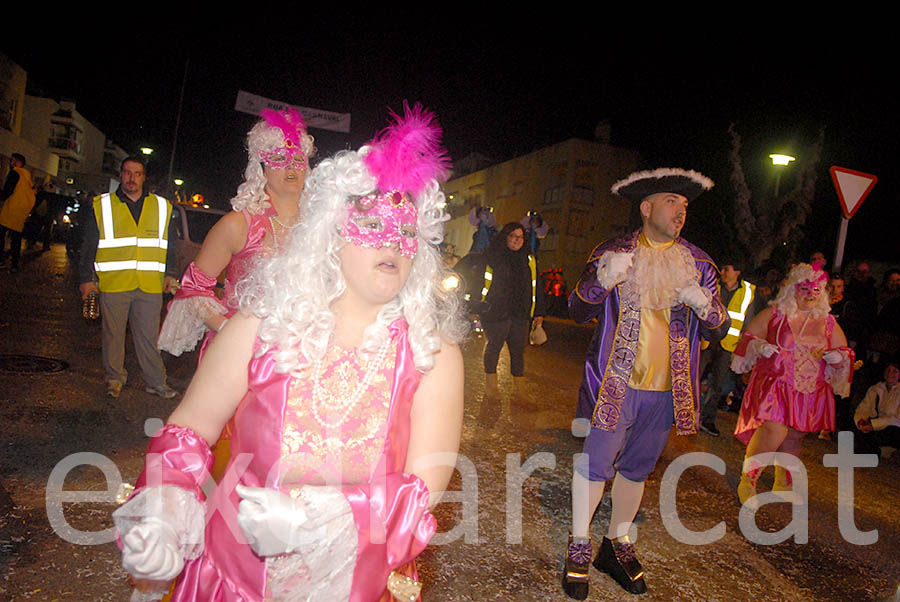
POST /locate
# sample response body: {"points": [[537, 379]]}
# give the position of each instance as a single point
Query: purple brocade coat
{"points": [[611, 354]]}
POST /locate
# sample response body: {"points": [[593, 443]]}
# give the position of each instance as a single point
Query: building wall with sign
{"points": [[567, 183]]}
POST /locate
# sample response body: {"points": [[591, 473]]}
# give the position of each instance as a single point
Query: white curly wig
{"points": [[251, 194], [786, 303], [292, 291]]}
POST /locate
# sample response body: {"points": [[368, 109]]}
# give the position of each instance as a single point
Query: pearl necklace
{"points": [[346, 405], [273, 219]]}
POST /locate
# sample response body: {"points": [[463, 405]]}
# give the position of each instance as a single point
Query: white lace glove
{"points": [[273, 522], [833, 357], [613, 267], [695, 296], [150, 550], [768, 349]]}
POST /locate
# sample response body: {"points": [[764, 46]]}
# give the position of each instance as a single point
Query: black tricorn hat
{"points": [[641, 184]]}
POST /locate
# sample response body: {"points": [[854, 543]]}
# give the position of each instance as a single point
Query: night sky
{"points": [[507, 87]]}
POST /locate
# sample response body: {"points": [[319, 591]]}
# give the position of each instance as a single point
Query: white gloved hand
{"points": [[150, 550], [613, 267], [694, 296], [768, 349], [833, 357], [272, 521]]}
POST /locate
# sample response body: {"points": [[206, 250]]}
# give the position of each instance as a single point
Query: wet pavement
{"points": [[502, 536]]}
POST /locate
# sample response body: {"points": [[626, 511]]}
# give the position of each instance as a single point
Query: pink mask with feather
{"points": [[813, 287], [293, 128], [404, 158]]}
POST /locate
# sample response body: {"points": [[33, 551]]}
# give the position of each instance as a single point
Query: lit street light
{"points": [[780, 160]]}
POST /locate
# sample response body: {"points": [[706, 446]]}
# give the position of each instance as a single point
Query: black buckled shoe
{"points": [[620, 562], [578, 562]]}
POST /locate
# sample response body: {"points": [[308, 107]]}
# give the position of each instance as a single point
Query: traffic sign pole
{"points": [[852, 188], [839, 249]]}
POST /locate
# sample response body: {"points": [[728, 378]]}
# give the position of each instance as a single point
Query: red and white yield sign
{"points": [[852, 187]]}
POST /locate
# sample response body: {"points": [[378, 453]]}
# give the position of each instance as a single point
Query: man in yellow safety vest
{"points": [[739, 297], [128, 258], [16, 201]]}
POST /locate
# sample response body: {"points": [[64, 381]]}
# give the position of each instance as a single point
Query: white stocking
{"points": [[626, 499], [586, 496]]}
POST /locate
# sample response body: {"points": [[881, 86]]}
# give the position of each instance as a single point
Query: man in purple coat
{"points": [[654, 297]]}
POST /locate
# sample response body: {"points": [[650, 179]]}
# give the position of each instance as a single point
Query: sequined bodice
{"points": [[805, 338], [336, 418]]}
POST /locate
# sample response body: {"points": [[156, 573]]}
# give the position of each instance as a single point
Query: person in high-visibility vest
{"points": [[129, 243], [510, 299], [739, 296], [16, 201]]}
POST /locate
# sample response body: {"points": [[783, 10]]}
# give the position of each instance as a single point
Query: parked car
{"points": [[192, 225]]}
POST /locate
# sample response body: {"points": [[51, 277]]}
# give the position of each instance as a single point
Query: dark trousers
{"points": [[721, 381], [869, 443], [15, 245], [513, 332]]}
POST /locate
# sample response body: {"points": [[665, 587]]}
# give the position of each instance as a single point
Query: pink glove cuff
{"points": [[177, 456]]}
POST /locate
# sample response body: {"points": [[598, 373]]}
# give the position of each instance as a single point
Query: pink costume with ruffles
{"points": [[791, 387], [196, 300], [389, 508]]}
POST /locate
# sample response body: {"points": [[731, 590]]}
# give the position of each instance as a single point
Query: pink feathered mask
{"points": [[404, 158]]}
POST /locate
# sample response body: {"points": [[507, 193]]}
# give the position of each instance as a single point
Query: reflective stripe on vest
{"points": [[532, 266], [130, 261], [737, 309]]}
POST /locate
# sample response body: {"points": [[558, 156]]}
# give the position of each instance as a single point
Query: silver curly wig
{"points": [[292, 291], [251, 194], [786, 302]]}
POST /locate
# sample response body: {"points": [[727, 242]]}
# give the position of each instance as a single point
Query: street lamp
{"points": [[178, 184], [146, 150], [780, 160]]}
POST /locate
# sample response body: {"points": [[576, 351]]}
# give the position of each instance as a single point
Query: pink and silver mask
{"points": [[382, 220], [812, 288], [289, 156]]}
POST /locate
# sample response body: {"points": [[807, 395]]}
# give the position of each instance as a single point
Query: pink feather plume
{"points": [[407, 154], [290, 122]]}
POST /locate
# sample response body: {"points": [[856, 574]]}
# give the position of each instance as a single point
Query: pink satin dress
{"points": [[276, 434], [243, 260], [790, 386]]}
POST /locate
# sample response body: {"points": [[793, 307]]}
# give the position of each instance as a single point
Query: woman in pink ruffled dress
{"points": [[799, 358], [343, 373]]}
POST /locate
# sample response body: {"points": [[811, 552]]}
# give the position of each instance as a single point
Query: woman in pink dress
{"points": [[799, 357], [345, 380], [266, 210]]}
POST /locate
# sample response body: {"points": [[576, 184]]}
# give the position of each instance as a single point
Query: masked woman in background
{"points": [[266, 209]]}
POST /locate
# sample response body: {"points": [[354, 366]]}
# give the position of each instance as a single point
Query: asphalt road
{"points": [[503, 534]]}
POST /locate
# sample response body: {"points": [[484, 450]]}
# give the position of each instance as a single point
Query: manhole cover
{"points": [[30, 364]]}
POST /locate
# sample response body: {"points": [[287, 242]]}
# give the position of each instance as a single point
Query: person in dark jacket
{"points": [[510, 299]]}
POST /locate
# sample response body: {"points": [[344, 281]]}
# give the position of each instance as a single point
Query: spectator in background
{"points": [[885, 339], [768, 287], [17, 199], [739, 297], [510, 299], [877, 418], [39, 226], [858, 313]]}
